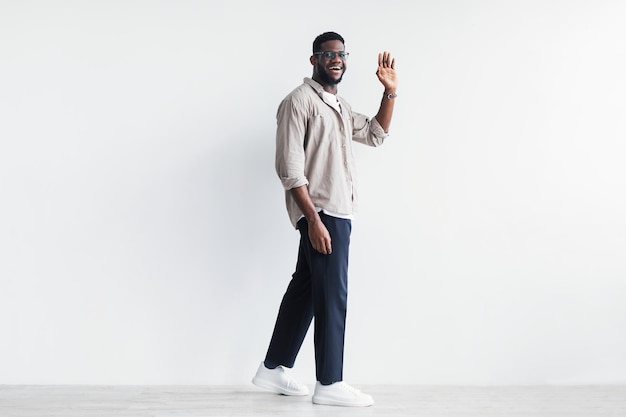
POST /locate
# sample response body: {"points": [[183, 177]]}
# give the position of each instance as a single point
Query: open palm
{"points": [[387, 71]]}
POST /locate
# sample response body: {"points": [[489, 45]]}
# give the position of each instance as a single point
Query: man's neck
{"points": [[329, 88]]}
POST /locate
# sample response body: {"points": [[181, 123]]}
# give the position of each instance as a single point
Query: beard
{"points": [[325, 76]]}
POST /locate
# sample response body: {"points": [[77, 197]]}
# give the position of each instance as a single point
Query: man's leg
{"points": [[294, 315], [329, 282], [293, 321]]}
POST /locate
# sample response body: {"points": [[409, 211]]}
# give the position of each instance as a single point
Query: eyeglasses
{"points": [[332, 54]]}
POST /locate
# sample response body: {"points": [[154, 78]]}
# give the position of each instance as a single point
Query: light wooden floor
{"points": [[393, 401]]}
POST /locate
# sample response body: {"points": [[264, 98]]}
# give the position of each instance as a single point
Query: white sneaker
{"points": [[277, 380], [341, 394]]}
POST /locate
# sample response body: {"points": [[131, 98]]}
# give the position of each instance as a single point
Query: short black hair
{"points": [[324, 37]]}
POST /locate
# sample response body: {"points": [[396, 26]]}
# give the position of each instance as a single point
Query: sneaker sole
{"points": [[332, 401], [261, 383]]}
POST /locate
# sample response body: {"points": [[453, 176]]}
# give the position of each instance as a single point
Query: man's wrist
{"points": [[312, 217], [390, 94]]}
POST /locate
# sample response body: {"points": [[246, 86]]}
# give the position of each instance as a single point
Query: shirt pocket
{"points": [[323, 129], [317, 129]]}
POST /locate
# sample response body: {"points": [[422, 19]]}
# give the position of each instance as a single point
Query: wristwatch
{"points": [[390, 96]]}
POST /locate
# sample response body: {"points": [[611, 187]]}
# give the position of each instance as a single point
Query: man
{"points": [[314, 161]]}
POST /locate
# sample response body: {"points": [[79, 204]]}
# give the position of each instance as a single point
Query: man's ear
{"points": [[312, 59]]}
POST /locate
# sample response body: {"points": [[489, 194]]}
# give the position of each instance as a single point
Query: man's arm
{"points": [[318, 234], [387, 76], [290, 160]]}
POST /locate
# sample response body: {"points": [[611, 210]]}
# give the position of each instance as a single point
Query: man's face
{"points": [[330, 70]]}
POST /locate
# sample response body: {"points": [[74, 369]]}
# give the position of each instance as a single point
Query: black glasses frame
{"points": [[332, 54]]}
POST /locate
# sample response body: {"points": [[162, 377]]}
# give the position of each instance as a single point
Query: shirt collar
{"points": [[315, 85]]}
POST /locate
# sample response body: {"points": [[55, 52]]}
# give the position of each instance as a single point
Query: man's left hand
{"points": [[387, 72]]}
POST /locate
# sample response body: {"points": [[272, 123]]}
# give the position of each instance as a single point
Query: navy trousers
{"points": [[318, 288]]}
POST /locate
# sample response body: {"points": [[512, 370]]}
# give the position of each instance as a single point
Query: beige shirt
{"points": [[314, 148]]}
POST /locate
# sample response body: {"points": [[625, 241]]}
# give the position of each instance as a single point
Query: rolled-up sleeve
{"points": [[367, 130], [290, 134]]}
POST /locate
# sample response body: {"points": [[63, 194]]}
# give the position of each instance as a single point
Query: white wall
{"points": [[143, 237]]}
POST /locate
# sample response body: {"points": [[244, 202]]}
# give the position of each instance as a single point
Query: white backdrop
{"points": [[143, 236]]}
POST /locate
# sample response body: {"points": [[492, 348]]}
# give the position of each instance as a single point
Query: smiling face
{"points": [[329, 71]]}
